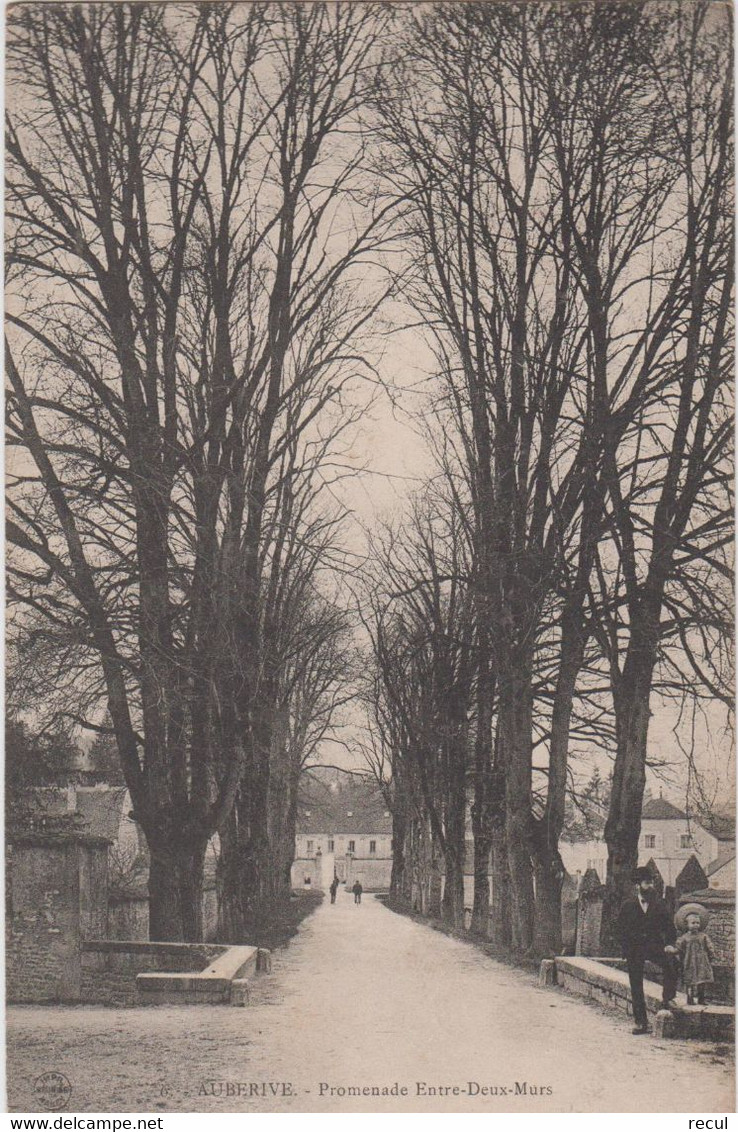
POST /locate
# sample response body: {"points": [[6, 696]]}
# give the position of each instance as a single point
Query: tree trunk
{"points": [[516, 738], [549, 877], [435, 876], [500, 925], [549, 868], [452, 906], [455, 829], [247, 872], [175, 892], [623, 826], [231, 912], [483, 788], [398, 881], [480, 906]]}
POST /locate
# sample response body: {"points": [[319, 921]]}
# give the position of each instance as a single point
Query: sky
{"points": [[397, 461]]}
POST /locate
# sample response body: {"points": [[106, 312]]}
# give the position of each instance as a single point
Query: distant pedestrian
{"points": [[333, 889], [357, 891], [647, 932], [695, 951]]}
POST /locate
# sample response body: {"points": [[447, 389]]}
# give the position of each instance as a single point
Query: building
{"points": [[669, 836], [721, 870], [344, 829]]}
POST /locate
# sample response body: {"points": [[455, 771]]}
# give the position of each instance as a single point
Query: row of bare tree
{"points": [[207, 205], [564, 191], [187, 232]]}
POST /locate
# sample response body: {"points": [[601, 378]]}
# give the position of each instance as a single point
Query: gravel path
{"points": [[363, 998]]}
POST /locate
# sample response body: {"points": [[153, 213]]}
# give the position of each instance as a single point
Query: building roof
{"points": [[710, 897], [715, 866], [346, 805], [661, 810], [721, 826]]}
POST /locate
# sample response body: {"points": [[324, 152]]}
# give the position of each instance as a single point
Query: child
{"points": [[696, 951]]}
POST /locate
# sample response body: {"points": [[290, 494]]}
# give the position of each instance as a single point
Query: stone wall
{"points": [[609, 985], [569, 900], [375, 873], [307, 873], [57, 894], [128, 915], [109, 967], [720, 903], [589, 914], [57, 898]]}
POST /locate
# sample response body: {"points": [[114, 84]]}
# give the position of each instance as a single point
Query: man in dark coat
{"points": [[647, 932]]}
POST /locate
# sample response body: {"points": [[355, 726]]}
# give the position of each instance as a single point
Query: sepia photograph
{"points": [[369, 671]]}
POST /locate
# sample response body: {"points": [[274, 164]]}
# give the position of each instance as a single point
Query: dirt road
{"points": [[364, 1000]]}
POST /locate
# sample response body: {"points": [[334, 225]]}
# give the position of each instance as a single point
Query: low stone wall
{"points": [[110, 967], [602, 981], [214, 985]]}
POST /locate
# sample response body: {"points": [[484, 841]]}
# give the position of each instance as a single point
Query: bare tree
{"points": [[422, 632], [542, 168], [667, 474], [485, 226], [183, 304]]}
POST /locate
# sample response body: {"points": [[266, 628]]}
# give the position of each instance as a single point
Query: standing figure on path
{"points": [[333, 889], [357, 891], [695, 951], [647, 932]]}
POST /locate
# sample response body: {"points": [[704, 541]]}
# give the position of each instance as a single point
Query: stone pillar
{"points": [[589, 914], [57, 896]]}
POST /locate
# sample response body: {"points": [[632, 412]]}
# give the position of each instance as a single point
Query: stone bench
{"points": [[602, 981], [141, 973], [211, 986]]}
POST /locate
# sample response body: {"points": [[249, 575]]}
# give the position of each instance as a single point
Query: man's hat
{"points": [[680, 919], [641, 873]]}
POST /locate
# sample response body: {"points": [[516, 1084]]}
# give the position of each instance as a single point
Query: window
{"points": [[685, 841], [352, 847], [331, 845], [310, 846], [649, 841], [372, 846]]}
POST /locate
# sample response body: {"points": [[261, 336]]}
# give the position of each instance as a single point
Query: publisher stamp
{"points": [[52, 1091]]}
